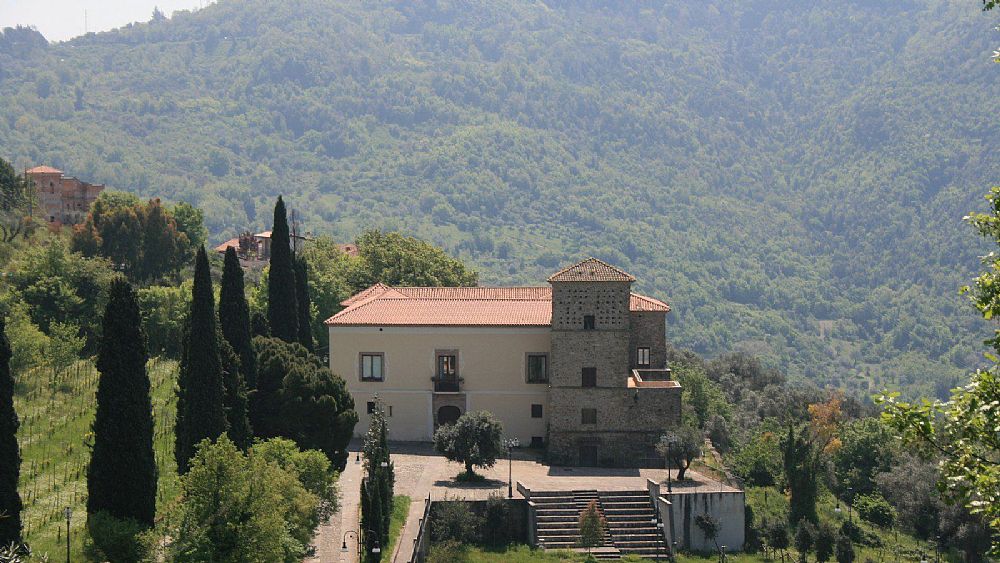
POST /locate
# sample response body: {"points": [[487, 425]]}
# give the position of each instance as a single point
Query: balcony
{"points": [[447, 384], [651, 378]]}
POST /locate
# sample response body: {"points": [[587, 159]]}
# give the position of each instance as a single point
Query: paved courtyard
{"points": [[420, 471]]}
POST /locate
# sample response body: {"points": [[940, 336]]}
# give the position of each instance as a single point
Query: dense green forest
{"points": [[791, 177]]}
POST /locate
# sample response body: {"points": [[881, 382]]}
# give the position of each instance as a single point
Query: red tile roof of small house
{"points": [[44, 170]]}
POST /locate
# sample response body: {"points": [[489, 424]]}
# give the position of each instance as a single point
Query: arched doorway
{"points": [[448, 414]]}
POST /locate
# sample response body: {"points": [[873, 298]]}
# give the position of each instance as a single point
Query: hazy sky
{"points": [[62, 19]]}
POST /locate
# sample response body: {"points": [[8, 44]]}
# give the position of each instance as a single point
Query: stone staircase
{"points": [[558, 521], [632, 523], [630, 516]]}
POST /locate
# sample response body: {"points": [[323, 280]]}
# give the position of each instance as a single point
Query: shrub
{"points": [[113, 539], [875, 509], [448, 552], [453, 520]]}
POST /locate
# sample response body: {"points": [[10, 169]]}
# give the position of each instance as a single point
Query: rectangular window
{"points": [[589, 377], [588, 416], [642, 357], [372, 367], [536, 411], [588, 322], [370, 407], [538, 368], [447, 366]]}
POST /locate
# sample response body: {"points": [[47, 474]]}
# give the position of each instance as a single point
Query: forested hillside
{"points": [[791, 177]]}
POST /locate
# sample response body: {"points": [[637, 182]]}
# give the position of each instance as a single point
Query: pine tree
{"points": [[282, 311], [303, 303], [201, 409], [10, 454], [121, 477], [234, 317], [237, 409]]}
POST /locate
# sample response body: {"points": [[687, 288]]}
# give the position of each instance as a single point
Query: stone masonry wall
{"points": [[649, 329]]}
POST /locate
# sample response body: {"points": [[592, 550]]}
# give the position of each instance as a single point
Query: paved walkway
{"points": [[420, 471]]}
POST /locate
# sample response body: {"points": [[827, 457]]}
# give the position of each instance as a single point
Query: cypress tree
{"points": [[282, 311], [234, 317], [201, 394], [302, 302], [121, 477], [10, 454], [237, 410]]}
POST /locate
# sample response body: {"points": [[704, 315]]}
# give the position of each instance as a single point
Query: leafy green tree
{"points": [[474, 440], [845, 550], [297, 397], [121, 477], [234, 316], [701, 393], [163, 311], [962, 430], [777, 537], [237, 406], [201, 394], [330, 270], [875, 509], [240, 508], [681, 446], [10, 453], [16, 199], [826, 538], [163, 245], [758, 462], [311, 467], [910, 487], [866, 449], [191, 222], [395, 259], [805, 538], [303, 303], [282, 308], [800, 461], [592, 527], [65, 346]]}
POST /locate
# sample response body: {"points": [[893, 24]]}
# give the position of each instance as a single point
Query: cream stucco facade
{"points": [[491, 362]]}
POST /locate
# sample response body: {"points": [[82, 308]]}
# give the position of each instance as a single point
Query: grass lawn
{"points": [[56, 412], [400, 508]]}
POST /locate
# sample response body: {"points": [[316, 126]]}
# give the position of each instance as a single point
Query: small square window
{"points": [[589, 377], [642, 357], [372, 367], [588, 322], [588, 416], [537, 442], [370, 407], [536, 411]]}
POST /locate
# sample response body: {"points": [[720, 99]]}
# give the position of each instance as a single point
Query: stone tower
{"points": [[601, 410]]}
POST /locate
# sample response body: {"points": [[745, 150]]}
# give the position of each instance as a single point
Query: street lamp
{"points": [[510, 443], [343, 546], [68, 512], [722, 554], [850, 499], [670, 449], [673, 551], [659, 529]]}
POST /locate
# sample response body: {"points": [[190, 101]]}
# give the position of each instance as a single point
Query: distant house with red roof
{"points": [[63, 200], [577, 366], [256, 248]]}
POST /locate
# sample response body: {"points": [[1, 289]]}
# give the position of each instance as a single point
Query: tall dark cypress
{"points": [[237, 407], [10, 454], [302, 302], [201, 411], [121, 477], [234, 316], [282, 311]]}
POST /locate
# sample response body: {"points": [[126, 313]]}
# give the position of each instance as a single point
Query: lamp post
{"points": [[510, 444], [850, 499], [673, 551], [376, 549], [357, 538], [722, 554], [659, 529], [68, 512], [670, 449]]}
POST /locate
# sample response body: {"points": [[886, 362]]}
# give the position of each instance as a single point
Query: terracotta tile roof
{"points": [[383, 305], [233, 242], [591, 270], [44, 170]]}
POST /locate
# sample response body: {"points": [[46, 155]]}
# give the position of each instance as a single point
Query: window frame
{"points": [[540, 410], [527, 368], [583, 415], [361, 366], [456, 367], [639, 356], [589, 322], [588, 372]]}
